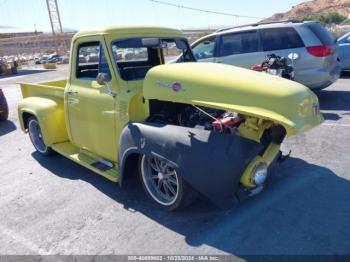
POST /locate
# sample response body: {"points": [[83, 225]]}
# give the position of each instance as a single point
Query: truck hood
{"points": [[236, 89]]}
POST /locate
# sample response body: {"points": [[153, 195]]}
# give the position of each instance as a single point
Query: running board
{"points": [[88, 160], [102, 165]]}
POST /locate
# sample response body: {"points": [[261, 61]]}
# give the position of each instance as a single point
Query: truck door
{"points": [[90, 107]]}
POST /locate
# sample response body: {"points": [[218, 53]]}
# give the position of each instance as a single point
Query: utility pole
{"points": [[55, 21]]}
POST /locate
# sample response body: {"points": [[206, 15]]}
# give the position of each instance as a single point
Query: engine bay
{"points": [[216, 120], [195, 117]]}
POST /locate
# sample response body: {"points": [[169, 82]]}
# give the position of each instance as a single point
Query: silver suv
{"points": [[317, 65]]}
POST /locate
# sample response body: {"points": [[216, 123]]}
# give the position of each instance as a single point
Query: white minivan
{"points": [[317, 65]]}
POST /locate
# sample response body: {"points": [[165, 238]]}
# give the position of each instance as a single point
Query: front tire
{"points": [[36, 137], [163, 185]]}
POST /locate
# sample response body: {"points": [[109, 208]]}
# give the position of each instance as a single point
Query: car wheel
{"points": [[36, 137], [163, 184]]}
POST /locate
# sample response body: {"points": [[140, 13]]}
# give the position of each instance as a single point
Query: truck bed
{"points": [[52, 89], [45, 101]]}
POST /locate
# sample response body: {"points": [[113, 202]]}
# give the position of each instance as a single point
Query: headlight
{"points": [[309, 107], [260, 174]]}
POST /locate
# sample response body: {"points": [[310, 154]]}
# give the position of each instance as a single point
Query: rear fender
{"points": [[49, 111], [212, 163]]}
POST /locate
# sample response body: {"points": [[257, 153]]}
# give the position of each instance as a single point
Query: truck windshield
{"points": [[135, 56]]}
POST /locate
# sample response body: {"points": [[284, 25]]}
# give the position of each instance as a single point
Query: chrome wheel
{"points": [[160, 180], [36, 136]]}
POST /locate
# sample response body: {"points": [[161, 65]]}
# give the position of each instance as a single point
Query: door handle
{"points": [[71, 92]]}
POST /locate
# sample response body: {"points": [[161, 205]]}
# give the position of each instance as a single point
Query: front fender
{"points": [[212, 163], [49, 111]]}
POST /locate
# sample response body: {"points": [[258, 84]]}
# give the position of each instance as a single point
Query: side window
{"points": [[91, 60], [280, 38], [239, 43], [204, 49], [322, 33]]}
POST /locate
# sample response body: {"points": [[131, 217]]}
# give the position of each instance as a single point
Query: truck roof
{"points": [[131, 31]]}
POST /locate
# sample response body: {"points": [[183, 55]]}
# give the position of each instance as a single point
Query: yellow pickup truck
{"points": [[185, 128]]}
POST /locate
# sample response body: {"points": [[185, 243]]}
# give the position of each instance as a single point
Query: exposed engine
{"points": [[198, 117]]}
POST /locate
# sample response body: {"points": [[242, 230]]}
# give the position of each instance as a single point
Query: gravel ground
{"points": [[53, 206]]}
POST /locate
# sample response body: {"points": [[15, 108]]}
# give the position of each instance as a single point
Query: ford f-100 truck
{"points": [[185, 128]]}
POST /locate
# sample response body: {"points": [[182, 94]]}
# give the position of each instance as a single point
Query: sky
{"points": [[85, 14]]}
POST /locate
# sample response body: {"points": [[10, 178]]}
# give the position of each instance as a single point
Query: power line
{"points": [[203, 10]]}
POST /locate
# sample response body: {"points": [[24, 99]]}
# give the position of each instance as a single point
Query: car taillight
{"points": [[320, 50]]}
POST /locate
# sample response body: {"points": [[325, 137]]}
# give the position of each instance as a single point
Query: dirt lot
{"points": [[53, 206]]}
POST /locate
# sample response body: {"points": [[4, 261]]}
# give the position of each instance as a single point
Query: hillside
{"points": [[314, 7]]}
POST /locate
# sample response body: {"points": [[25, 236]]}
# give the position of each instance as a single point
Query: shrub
{"points": [[327, 19]]}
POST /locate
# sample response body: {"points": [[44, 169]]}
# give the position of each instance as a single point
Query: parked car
{"points": [[53, 59], [4, 110], [42, 60], [344, 51], [316, 67], [183, 128]]}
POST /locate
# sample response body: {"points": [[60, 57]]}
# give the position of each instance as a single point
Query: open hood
{"points": [[236, 89]]}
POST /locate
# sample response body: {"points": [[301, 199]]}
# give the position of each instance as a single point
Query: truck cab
{"points": [[123, 110], [98, 112]]}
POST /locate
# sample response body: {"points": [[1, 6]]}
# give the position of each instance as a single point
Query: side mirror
{"points": [[348, 39], [102, 78]]}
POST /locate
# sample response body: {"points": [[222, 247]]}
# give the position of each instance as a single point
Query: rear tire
{"points": [[163, 185], [36, 137]]}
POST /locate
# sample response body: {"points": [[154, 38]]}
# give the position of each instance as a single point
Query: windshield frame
{"points": [[185, 52]]}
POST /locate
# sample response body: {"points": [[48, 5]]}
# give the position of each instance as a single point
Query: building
{"points": [[18, 42]]}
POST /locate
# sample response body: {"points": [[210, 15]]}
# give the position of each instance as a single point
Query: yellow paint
{"points": [[253, 128], [49, 112], [91, 111], [236, 89], [45, 102], [270, 153], [246, 178], [86, 127], [267, 158], [85, 159], [120, 32]]}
